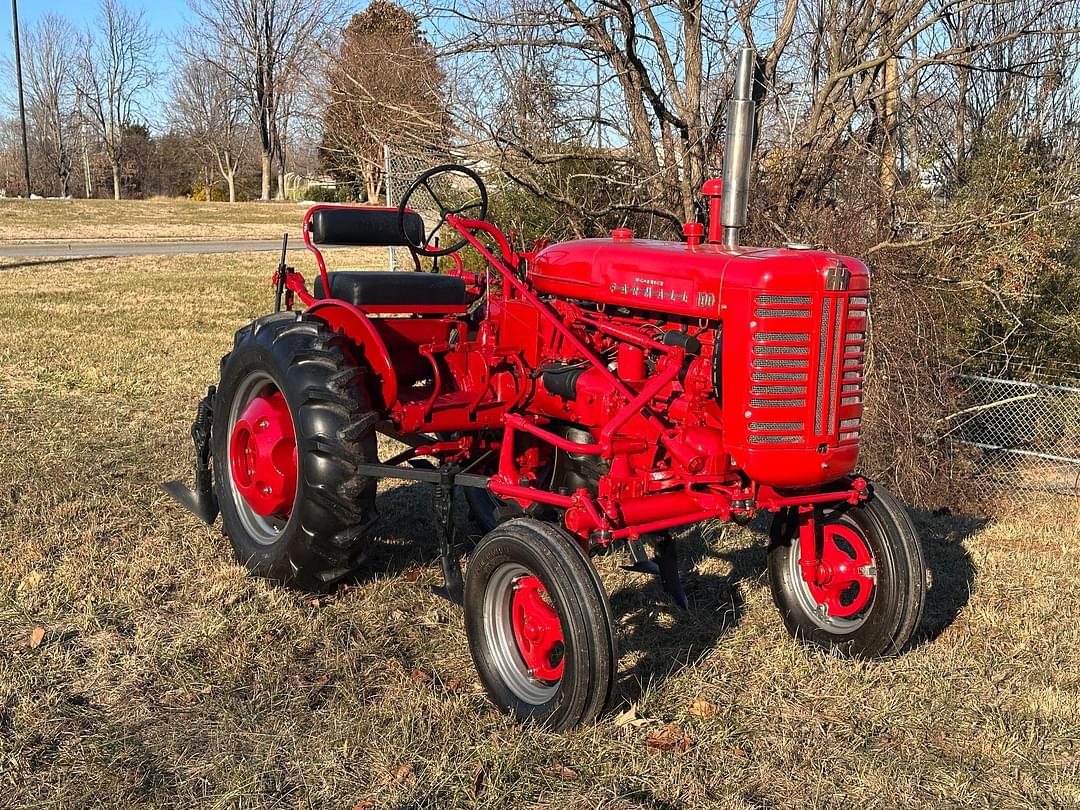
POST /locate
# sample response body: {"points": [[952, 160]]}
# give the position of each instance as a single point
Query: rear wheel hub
{"points": [[262, 455]]}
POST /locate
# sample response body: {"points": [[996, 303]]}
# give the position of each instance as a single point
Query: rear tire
{"points": [[321, 538], [484, 507], [884, 627], [558, 665]]}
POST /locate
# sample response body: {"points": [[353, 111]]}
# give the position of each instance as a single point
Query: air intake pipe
{"points": [[738, 146]]}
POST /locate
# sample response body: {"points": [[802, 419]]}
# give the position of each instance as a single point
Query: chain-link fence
{"points": [[400, 168], [1020, 434]]}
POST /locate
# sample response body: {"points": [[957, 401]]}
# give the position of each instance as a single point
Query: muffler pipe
{"points": [[738, 146]]}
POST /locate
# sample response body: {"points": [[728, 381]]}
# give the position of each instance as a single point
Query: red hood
{"points": [[674, 277]]}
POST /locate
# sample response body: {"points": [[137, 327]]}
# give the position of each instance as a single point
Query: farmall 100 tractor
{"points": [[589, 393]]}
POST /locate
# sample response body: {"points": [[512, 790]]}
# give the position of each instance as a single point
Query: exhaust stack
{"points": [[738, 146]]}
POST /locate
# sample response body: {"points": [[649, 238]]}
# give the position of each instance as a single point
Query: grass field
{"points": [[139, 666], [144, 220]]}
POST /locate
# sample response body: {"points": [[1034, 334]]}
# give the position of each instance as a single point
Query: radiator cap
{"points": [[622, 234]]}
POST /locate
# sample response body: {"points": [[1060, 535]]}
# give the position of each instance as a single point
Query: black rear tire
{"points": [[887, 624], [484, 506], [323, 538], [524, 547]]}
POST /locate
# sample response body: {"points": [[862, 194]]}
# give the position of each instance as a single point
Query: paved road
{"points": [[28, 250]]}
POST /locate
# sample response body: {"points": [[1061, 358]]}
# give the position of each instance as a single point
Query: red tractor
{"points": [[584, 394]]}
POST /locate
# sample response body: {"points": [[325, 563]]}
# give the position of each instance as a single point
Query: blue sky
{"points": [[165, 16]]}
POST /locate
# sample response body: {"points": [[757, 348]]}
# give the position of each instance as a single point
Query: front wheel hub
{"points": [[843, 580], [262, 455], [537, 630]]}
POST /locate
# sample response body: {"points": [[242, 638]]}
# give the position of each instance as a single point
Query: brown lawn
{"points": [[162, 675]]}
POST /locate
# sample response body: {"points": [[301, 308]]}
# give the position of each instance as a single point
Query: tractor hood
{"points": [[681, 279]]}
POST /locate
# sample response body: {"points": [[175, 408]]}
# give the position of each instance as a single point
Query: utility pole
{"points": [[22, 104], [598, 132]]}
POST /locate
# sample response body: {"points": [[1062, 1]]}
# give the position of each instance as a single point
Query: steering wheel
{"points": [[449, 197]]}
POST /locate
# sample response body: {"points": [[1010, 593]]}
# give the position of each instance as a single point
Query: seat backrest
{"points": [[364, 227]]}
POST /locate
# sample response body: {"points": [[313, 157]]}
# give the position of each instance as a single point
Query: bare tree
{"points": [[383, 87], [653, 72], [50, 93], [208, 107], [113, 71], [268, 43]]}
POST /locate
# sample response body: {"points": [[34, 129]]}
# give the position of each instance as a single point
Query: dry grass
{"points": [[166, 677], [144, 220]]}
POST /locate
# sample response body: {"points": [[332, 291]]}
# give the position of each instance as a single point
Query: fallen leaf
{"points": [[456, 685], [37, 635], [702, 708], [478, 781], [559, 771], [627, 716], [366, 804], [630, 718], [412, 574], [417, 675], [668, 738], [315, 603], [320, 682], [402, 772]]}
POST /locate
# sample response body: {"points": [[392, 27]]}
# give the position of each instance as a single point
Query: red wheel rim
{"points": [[537, 629], [844, 580], [262, 455]]}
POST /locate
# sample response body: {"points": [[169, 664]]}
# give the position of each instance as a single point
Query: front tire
{"points": [[539, 625], [873, 609], [292, 419]]}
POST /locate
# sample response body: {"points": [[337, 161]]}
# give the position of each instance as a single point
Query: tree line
{"points": [[115, 108], [938, 139]]}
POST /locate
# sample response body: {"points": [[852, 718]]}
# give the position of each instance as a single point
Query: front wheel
{"points": [[866, 598], [539, 625]]}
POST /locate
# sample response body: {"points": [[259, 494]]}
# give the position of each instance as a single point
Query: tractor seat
{"points": [[363, 288]]}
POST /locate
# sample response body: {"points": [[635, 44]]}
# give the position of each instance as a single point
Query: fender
{"points": [[355, 325]]}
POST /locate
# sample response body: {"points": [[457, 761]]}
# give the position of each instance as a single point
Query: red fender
{"points": [[350, 321]]}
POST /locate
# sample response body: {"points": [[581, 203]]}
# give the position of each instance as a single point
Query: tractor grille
{"points": [[780, 368], [806, 367], [841, 338], [849, 387]]}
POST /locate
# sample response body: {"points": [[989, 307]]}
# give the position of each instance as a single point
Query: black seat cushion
{"points": [[364, 227], [391, 289]]}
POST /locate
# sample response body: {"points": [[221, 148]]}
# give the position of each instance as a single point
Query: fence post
{"points": [[389, 195]]}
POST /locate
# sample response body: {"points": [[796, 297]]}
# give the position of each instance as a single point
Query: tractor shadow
{"points": [[952, 572], [660, 637], [663, 639], [406, 536]]}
